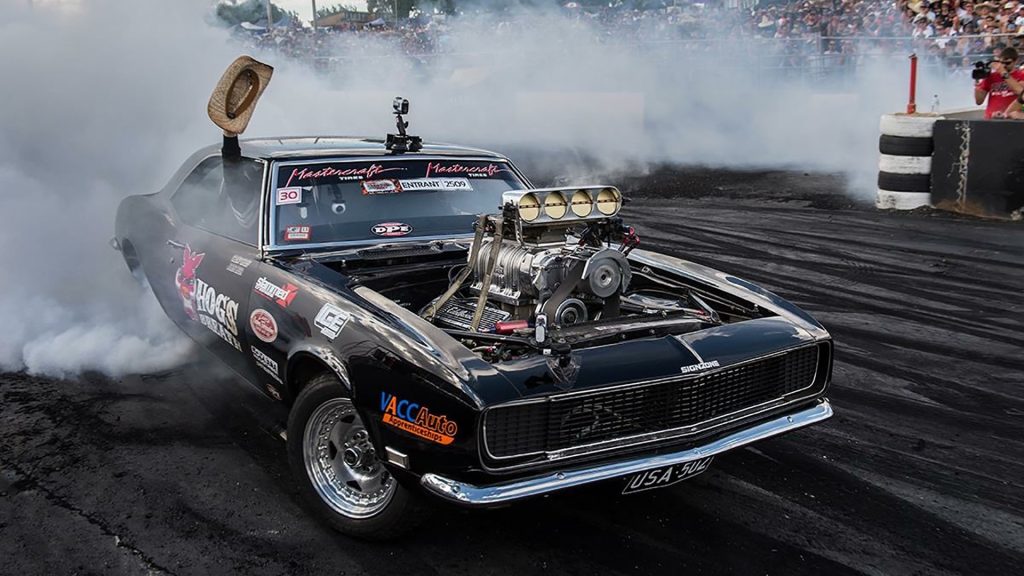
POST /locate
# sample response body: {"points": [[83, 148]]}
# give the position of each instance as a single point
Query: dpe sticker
{"points": [[391, 229]]}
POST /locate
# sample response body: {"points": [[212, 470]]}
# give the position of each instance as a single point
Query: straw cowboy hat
{"points": [[234, 98]]}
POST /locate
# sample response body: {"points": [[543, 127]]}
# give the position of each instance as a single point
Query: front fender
{"points": [[732, 285], [307, 351]]}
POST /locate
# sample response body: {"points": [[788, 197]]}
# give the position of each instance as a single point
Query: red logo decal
{"points": [[292, 233], [263, 325], [461, 169], [185, 280], [365, 173]]}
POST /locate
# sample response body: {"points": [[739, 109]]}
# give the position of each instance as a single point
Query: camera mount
{"points": [[402, 142]]}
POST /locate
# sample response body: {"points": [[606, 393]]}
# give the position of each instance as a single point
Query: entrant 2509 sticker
{"points": [[416, 419], [391, 229], [433, 184], [385, 187]]}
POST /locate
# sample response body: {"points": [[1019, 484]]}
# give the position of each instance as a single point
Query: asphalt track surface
{"points": [[920, 472]]}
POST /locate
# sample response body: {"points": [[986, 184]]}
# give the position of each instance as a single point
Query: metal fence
{"points": [[809, 58]]}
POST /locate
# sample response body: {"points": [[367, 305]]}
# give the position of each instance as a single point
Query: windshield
{"points": [[333, 201]]}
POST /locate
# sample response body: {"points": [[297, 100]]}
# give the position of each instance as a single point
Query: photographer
{"points": [[1001, 85]]}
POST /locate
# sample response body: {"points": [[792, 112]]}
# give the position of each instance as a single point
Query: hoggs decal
{"points": [[203, 303], [416, 419]]}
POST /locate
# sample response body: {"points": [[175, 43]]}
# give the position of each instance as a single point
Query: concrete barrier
{"points": [[978, 167]]}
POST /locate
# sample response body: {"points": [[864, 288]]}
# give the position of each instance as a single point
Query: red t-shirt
{"points": [[999, 94]]}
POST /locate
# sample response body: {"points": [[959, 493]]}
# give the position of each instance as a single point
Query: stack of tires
{"points": [[905, 163]]}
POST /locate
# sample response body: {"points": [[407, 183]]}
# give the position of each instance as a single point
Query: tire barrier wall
{"points": [[905, 161], [978, 167]]}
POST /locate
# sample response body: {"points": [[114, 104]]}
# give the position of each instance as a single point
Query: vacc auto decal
{"points": [[416, 419], [203, 303]]}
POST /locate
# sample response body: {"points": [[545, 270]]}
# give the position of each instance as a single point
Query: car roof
{"points": [[309, 147]]}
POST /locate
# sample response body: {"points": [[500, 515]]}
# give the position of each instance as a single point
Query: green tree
{"points": [[386, 8], [321, 12], [234, 12]]}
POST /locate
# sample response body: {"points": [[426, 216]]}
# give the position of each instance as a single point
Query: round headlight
{"points": [[608, 201], [555, 205], [582, 203], [529, 207]]}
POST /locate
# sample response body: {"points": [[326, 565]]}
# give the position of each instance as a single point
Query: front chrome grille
{"points": [[575, 420]]}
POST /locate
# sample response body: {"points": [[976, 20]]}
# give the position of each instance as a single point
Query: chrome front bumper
{"points": [[470, 495]]}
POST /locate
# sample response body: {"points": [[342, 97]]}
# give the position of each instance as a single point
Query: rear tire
{"points": [[338, 471], [131, 259]]}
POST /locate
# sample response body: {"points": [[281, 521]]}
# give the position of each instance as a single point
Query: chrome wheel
{"points": [[342, 464]]}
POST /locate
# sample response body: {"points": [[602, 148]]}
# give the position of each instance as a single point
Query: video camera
{"points": [[402, 142], [981, 69]]}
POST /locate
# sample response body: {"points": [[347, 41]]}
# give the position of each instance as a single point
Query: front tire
{"points": [[339, 473]]}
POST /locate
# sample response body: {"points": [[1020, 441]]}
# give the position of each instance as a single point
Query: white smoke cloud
{"points": [[105, 100]]}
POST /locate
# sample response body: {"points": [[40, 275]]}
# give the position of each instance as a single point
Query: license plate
{"points": [[665, 476]]}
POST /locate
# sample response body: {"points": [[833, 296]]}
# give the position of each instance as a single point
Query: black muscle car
{"points": [[439, 327]]}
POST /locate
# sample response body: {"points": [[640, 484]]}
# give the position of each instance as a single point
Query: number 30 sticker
{"points": [[288, 196]]}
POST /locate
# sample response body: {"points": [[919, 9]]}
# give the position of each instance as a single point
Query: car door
{"points": [[275, 321], [212, 252]]}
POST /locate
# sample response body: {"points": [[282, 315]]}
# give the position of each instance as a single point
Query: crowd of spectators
{"points": [[830, 33], [950, 32]]}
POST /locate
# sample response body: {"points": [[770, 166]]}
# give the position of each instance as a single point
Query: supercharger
{"points": [[563, 281], [551, 256]]}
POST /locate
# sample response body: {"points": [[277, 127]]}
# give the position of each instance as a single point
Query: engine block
{"points": [[549, 253], [522, 274]]}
